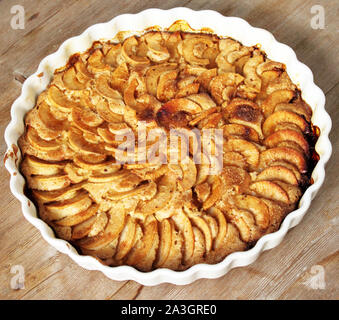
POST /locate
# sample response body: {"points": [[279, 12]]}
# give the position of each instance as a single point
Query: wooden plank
{"points": [[281, 273]]}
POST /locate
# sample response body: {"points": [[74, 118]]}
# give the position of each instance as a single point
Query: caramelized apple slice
{"points": [[37, 166], [246, 148], [126, 239], [189, 46], [275, 98], [184, 225], [70, 80], [167, 88], [241, 131], [285, 154], [143, 254], [252, 79], [223, 86], [77, 218], [166, 188], [58, 195], [82, 229], [59, 100], [216, 192], [105, 112], [111, 232], [69, 207], [200, 223], [102, 85], [244, 112], [283, 116], [49, 183], [48, 119], [79, 144], [143, 192], [287, 135], [128, 49], [222, 226], [257, 207], [165, 243], [96, 61], [279, 173], [270, 190], [153, 73], [245, 223]]}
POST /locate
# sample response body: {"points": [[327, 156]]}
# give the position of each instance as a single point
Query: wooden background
{"points": [[285, 272]]}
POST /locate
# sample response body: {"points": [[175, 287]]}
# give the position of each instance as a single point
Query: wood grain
{"points": [[281, 273]]}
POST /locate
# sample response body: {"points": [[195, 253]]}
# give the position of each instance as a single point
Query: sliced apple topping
{"points": [[286, 154], [71, 81], [128, 53], [278, 96], [164, 198], [223, 86]]}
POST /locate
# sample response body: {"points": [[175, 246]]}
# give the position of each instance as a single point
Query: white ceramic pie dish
{"points": [[223, 26]]}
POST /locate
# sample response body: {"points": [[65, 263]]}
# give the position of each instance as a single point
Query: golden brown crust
{"points": [[167, 215]]}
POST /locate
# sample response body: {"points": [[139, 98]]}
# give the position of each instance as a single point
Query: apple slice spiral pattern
{"points": [[153, 215]]}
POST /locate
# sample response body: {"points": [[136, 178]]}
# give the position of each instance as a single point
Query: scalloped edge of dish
{"points": [[234, 27]]}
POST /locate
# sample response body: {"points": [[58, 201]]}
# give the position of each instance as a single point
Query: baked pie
{"points": [[151, 212]]}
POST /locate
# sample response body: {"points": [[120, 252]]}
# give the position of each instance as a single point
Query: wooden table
{"points": [[285, 272]]}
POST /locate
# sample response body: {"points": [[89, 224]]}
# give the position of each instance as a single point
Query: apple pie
{"points": [[151, 212]]}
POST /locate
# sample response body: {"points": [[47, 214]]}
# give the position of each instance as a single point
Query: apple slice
{"points": [[299, 107], [200, 223], [126, 239], [142, 254], [221, 82], [222, 226], [47, 118], [82, 229], [96, 61], [274, 119], [216, 192], [278, 172], [111, 232], [77, 218], [38, 166], [59, 100], [270, 190], [245, 112], [127, 52], [183, 223], [166, 188], [279, 96], [240, 131], [245, 223], [256, 206], [49, 183], [165, 244], [70, 80], [285, 154], [79, 144], [57, 195], [102, 85], [174, 257], [105, 112], [246, 148], [61, 209]]}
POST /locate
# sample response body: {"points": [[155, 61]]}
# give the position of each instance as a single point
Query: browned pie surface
{"points": [[149, 213], [309, 244]]}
